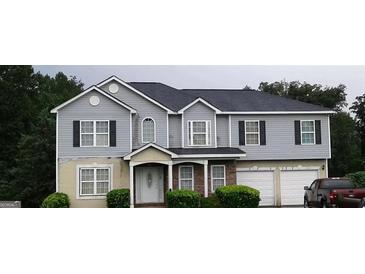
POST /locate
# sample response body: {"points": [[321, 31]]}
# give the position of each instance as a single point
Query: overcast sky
{"points": [[230, 77]]}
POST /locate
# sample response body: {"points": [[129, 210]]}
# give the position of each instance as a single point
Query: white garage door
{"points": [[262, 181], [292, 185]]}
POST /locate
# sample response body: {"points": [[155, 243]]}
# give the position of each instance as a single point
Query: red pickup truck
{"points": [[333, 192]]}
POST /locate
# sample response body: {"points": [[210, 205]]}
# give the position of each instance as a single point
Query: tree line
{"points": [[28, 129]]}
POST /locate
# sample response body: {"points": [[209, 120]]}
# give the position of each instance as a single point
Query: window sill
{"points": [[92, 197]]}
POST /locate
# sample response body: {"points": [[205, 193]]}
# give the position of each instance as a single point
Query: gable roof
{"points": [[94, 88], [131, 87], [201, 100], [160, 148], [226, 100]]}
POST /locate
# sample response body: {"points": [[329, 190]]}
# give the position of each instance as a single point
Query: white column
{"points": [[131, 183], [170, 175], [206, 178]]}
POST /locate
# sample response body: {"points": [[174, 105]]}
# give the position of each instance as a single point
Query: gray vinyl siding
{"points": [[82, 110], [144, 109], [280, 143], [222, 131], [175, 130], [199, 111]]}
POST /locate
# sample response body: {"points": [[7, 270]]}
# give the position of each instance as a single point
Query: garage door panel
{"points": [[260, 180], [292, 185]]}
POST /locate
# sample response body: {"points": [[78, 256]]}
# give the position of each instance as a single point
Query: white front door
{"points": [[149, 185]]}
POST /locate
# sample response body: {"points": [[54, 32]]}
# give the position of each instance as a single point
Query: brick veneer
{"points": [[199, 174]]}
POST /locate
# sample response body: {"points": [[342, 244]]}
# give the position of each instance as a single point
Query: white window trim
{"points": [[208, 133], [211, 176], [94, 132], [192, 172], [258, 132], [314, 132], [154, 130], [92, 196]]}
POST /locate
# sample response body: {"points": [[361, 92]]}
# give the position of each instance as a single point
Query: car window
{"points": [[313, 185], [336, 184]]}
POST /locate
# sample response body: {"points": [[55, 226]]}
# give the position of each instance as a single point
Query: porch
{"points": [[154, 170]]}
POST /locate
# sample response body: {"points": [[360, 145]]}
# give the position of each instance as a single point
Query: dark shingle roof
{"points": [[218, 150], [223, 99]]}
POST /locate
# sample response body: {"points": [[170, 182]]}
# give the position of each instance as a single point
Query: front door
{"points": [[149, 185]]}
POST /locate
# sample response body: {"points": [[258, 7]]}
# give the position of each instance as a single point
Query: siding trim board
{"points": [[201, 100]]}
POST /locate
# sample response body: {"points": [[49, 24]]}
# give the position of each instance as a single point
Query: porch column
{"points": [[131, 183], [170, 175], [205, 178]]}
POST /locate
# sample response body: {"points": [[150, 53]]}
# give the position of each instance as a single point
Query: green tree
{"points": [[358, 108], [29, 173]]}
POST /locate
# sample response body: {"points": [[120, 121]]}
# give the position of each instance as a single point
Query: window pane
{"points": [[218, 171], [217, 183], [307, 126], [186, 184], [199, 139], [186, 172], [252, 127], [102, 127], [87, 188], [87, 174], [87, 127], [199, 127], [102, 174], [87, 139], [308, 138], [102, 187], [252, 139], [148, 130], [102, 139]]}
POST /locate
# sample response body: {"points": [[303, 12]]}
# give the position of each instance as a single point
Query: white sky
{"points": [[220, 76]]}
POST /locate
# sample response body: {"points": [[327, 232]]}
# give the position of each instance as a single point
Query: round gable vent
{"points": [[94, 100], [113, 88]]}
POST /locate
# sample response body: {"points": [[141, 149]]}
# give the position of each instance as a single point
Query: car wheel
{"points": [[306, 203], [324, 204]]}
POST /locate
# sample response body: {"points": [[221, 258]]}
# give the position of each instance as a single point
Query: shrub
{"points": [[118, 198], [357, 178], [183, 198], [56, 200], [210, 202], [238, 196]]}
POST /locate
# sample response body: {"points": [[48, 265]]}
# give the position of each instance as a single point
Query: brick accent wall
{"points": [[199, 174]]}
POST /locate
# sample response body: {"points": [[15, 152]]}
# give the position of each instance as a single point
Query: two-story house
{"points": [[152, 138]]}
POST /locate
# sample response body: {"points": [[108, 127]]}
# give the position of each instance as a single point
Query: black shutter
{"points": [[112, 133], [318, 132], [241, 133], [76, 133], [297, 132], [262, 133]]}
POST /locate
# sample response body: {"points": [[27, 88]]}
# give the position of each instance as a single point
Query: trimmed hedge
{"points": [[210, 202], [118, 198], [357, 178], [233, 196], [183, 199], [56, 200]]}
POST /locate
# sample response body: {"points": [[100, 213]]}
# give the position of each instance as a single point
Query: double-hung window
{"points": [[186, 177], [252, 132], [218, 176], [199, 133], [94, 133], [308, 132], [94, 181]]}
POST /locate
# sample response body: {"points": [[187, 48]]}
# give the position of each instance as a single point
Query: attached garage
{"points": [[292, 185], [260, 180]]}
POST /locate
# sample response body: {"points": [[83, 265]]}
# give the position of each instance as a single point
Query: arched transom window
{"points": [[148, 130]]}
